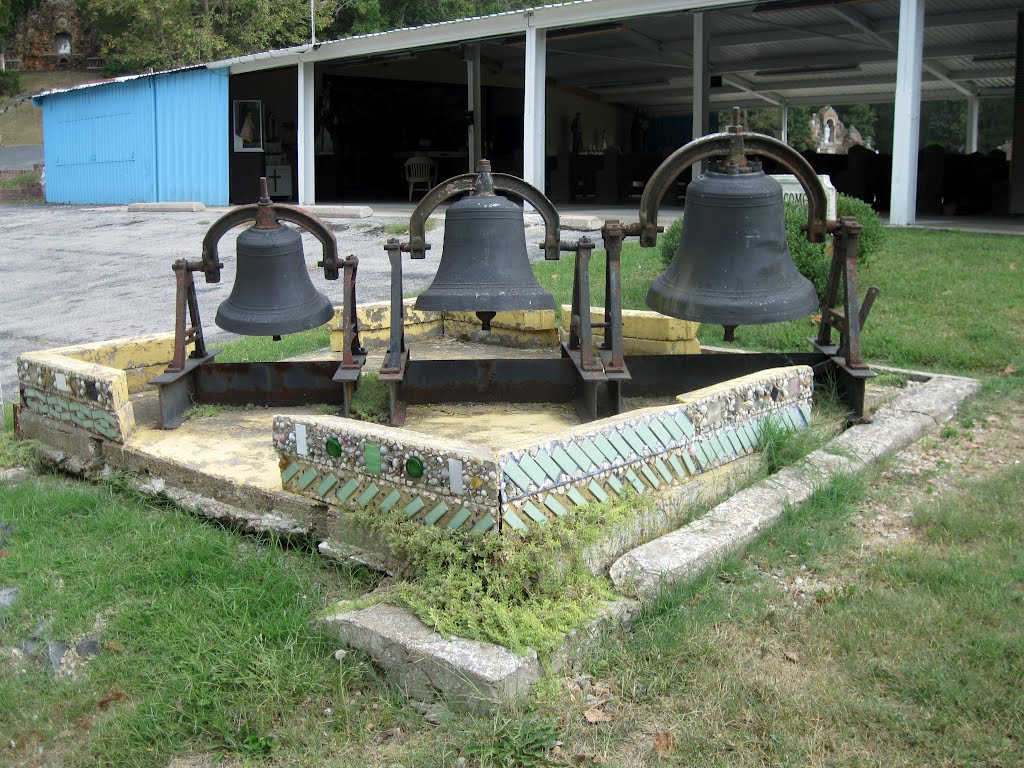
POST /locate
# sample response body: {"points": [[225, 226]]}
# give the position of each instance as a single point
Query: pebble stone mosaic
{"points": [[465, 486], [90, 397]]}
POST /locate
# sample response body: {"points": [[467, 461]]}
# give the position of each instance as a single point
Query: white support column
{"points": [[784, 122], [534, 106], [907, 121], [972, 125], [474, 104], [305, 108], [701, 82]]}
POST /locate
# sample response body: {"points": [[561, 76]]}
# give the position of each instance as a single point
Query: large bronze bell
{"points": [[484, 265], [272, 294], [733, 265]]}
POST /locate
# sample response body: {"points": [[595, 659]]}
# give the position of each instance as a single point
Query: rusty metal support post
{"points": [[353, 356], [581, 336], [849, 320], [186, 310], [393, 360], [613, 234]]}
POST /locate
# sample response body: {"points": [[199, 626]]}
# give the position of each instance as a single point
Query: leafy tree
{"points": [[136, 34], [361, 16], [11, 12], [861, 116], [799, 124]]}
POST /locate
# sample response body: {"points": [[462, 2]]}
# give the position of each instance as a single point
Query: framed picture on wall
{"points": [[247, 122]]}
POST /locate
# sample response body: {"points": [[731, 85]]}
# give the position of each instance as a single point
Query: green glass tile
{"points": [[565, 461], [684, 423], [516, 475], [663, 470], [609, 451], [650, 439], [737, 444], [554, 505], [368, 495], [622, 448], [702, 455], [752, 435], [333, 447], [307, 479], [615, 484], [668, 423], [484, 524], [632, 437], [372, 454], [347, 490], [582, 460], [805, 411], [414, 506], [325, 485], [458, 519], [530, 467], [717, 447], [678, 467], [743, 434], [635, 481], [389, 501], [797, 417], [598, 491], [652, 478], [688, 461], [535, 514], [595, 454], [435, 514], [551, 469], [577, 498], [40, 407], [660, 432], [290, 471], [111, 434], [414, 466], [513, 520]]}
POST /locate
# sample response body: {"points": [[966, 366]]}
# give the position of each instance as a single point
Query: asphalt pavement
{"points": [[75, 274]]}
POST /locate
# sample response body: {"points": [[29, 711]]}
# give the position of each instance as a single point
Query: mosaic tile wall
{"points": [[649, 450], [464, 486], [86, 395], [349, 463]]}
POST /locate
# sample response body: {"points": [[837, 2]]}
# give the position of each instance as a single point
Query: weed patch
{"points": [[520, 591]]}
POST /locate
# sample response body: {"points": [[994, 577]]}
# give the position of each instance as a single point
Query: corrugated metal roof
{"points": [[112, 81]]}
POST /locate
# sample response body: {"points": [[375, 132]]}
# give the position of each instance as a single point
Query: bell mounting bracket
{"points": [[735, 146], [484, 182], [176, 383]]}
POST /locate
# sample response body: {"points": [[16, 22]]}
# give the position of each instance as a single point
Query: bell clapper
{"points": [[730, 332], [276, 338], [485, 319]]}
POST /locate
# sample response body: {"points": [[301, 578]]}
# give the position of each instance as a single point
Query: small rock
{"points": [[55, 651], [7, 596], [89, 646], [15, 474]]}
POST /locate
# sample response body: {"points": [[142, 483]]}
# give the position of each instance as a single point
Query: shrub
{"points": [[872, 235], [668, 240], [10, 83]]}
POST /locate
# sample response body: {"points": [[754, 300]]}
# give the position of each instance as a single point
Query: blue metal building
{"points": [[147, 138]]}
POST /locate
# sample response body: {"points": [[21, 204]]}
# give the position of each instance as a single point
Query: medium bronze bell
{"points": [[272, 294], [484, 265], [733, 265]]}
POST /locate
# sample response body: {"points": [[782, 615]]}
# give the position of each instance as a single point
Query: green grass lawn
{"points": [[907, 655]]}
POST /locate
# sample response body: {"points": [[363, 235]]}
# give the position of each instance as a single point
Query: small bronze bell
{"points": [[484, 265], [733, 265]]}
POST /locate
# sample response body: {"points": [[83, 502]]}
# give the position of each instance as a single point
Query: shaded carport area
{"points": [[609, 88]]}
